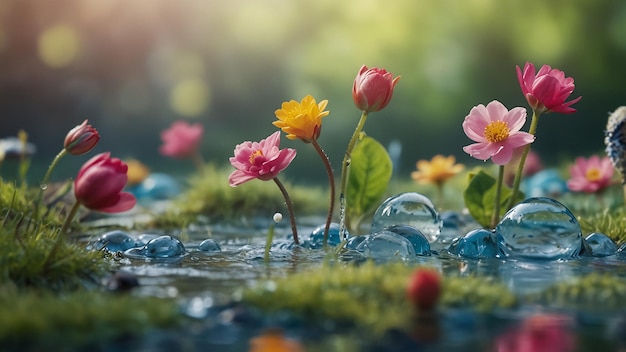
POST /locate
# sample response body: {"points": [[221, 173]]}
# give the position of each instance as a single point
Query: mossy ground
{"points": [[373, 296], [46, 291]]}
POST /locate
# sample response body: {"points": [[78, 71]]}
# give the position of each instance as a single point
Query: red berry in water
{"points": [[424, 289]]}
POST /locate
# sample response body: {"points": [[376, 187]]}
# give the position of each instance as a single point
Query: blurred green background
{"points": [[133, 66]]}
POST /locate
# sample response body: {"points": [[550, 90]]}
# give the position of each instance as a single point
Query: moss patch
{"points": [[209, 194], [42, 317], [596, 292], [369, 295]]}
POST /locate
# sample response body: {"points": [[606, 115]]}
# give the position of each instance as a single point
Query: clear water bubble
{"points": [[410, 208], [114, 241], [540, 228], [354, 242], [316, 238], [476, 244], [43, 186], [209, 245], [385, 245], [417, 239], [601, 245], [160, 247]]}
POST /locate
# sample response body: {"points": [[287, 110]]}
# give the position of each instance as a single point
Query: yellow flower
{"points": [[303, 119], [437, 171], [137, 171]]}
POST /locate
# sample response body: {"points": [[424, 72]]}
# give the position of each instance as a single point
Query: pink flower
{"points": [[373, 88], [99, 183], [81, 139], [262, 160], [539, 333], [547, 90], [424, 289], [181, 140], [497, 131], [591, 175]]}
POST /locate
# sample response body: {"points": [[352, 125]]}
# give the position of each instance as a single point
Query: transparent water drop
{"points": [[417, 239], [601, 245], [43, 186], [209, 245], [316, 238], [159, 247], [114, 241], [385, 245], [412, 209], [476, 244], [540, 228]]}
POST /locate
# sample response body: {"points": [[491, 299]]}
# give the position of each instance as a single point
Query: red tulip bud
{"points": [[373, 88], [424, 289], [81, 139]]}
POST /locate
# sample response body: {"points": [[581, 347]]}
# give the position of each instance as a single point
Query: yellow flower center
{"points": [[496, 131], [257, 153], [593, 174]]}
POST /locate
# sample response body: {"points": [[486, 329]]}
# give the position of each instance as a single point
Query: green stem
{"points": [[44, 183], [292, 216], [496, 209], [331, 182], [522, 160], [61, 237], [198, 162], [268, 242], [345, 165]]}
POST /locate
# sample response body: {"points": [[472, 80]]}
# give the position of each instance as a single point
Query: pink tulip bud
{"points": [[99, 184], [373, 88], [81, 139], [547, 90]]}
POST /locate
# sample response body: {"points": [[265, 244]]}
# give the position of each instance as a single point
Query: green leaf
{"points": [[370, 172], [480, 197]]}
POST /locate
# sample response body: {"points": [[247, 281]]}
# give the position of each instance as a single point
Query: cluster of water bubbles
{"points": [[408, 225]]}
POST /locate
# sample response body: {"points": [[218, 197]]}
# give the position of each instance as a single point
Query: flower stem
{"points": [[61, 237], [292, 216], [345, 166], [268, 242], [522, 160], [198, 161], [496, 209], [44, 183], [331, 182]]}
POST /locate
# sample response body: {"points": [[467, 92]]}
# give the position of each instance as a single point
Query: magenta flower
{"points": [[181, 140], [99, 184], [497, 131], [547, 90], [539, 333], [262, 160], [373, 88], [591, 175], [81, 139]]}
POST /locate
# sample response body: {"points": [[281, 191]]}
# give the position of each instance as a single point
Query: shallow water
{"points": [[207, 283]]}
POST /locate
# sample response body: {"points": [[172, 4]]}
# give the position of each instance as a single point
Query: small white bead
{"points": [[278, 217]]}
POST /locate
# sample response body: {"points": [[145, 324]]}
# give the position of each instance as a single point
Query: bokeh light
{"points": [[59, 45]]}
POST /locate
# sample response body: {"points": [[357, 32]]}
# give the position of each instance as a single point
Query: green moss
{"points": [[43, 317], [595, 291], [209, 194], [369, 295], [611, 222]]}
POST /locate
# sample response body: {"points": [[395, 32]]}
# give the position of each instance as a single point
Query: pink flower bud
{"points": [[81, 139], [181, 140], [373, 88], [99, 184]]}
